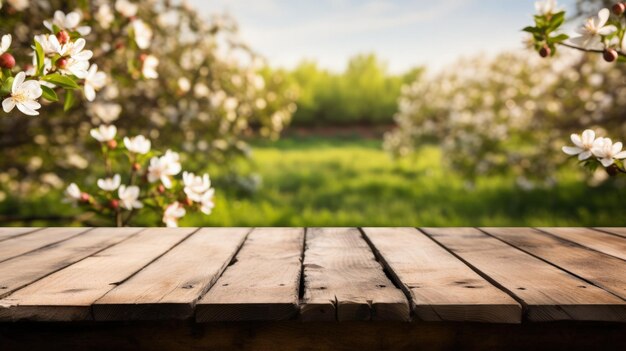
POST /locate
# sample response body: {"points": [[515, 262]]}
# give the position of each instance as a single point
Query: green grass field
{"points": [[352, 182]]}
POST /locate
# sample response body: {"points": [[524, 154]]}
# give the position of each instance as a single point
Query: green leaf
{"points": [[6, 86], [55, 29], [556, 21], [70, 100], [532, 30], [559, 38], [62, 81], [49, 94], [40, 57]]}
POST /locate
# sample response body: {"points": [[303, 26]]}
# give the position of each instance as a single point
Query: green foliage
{"points": [[365, 93], [339, 182]]}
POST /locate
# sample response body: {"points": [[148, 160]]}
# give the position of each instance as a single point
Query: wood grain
{"points": [[10, 232], [68, 294], [20, 271], [343, 280], [263, 282], [603, 270], [548, 293], [22, 244], [617, 231], [442, 288], [170, 286], [606, 243]]}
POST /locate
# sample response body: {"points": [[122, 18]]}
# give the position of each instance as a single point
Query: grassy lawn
{"points": [[312, 181], [352, 182]]}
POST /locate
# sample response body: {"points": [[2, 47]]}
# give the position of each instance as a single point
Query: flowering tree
{"points": [[148, 183], [604, 34], [508, 113], [155, 68]]}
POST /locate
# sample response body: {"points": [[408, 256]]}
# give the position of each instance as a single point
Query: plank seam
{"points": [[116, 284], [577, 244], [607, 232], [301, 278], [391, 275], [552, 264], [2, 296], [26, 233], [46, 246], [483, 275]]}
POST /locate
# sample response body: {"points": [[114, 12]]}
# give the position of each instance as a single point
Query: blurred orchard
{"points": [[182, 81], [124, 107], [511, 114]]}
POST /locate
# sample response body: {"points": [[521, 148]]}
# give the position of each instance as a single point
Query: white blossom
{"points": [[49, 43], [75, 67], [583, 145], [129, 197], [126, 8], [104, 133], [24, 95], [95, 80], [106, 112], [161, 168], [5, 43], [196, 186], [607, 152], [110, 184], [68, 21], [19, 5], [148, 69], [592, 31], [73, 193], [104, 16], [142, 33], [74, 49], [546, 7], [207, 202], [173, 213], [139, 144]]}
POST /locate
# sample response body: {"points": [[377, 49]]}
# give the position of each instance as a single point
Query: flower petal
{"points": [[572, 150], [8, 104]]}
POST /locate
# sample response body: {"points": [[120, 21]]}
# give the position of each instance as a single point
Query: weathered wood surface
{"points": [[19, 245], [440, 275], [441, 287], [170, 286], [600, 241], [6, 233], [262, 284], [67, 295], [617, 231], [600, 269], [25, 269], [343, 280], [547, 292]]}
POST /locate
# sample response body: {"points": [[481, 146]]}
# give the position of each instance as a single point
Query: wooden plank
{"points": [[262, 284], [615, 230], [20, 271], [170, 286], [343, 280], [607, 243], [548, 293], [441, 287], [68, 294], [22, 244], [10, 232], [605, 271]]}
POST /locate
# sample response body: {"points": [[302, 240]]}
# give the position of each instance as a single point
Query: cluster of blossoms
{"points": [[603, 33], [59, 63], [591, 150], [148, 182]]}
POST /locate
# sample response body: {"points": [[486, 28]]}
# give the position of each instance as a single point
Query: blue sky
{"points": [[404, 33]]}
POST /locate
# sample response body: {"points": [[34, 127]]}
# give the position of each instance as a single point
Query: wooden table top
{"points": [[495, 275]]}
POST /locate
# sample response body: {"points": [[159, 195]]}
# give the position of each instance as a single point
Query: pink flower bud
{"points": [[63, 37], [545, 51], [7, 61], [610, 55]]}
